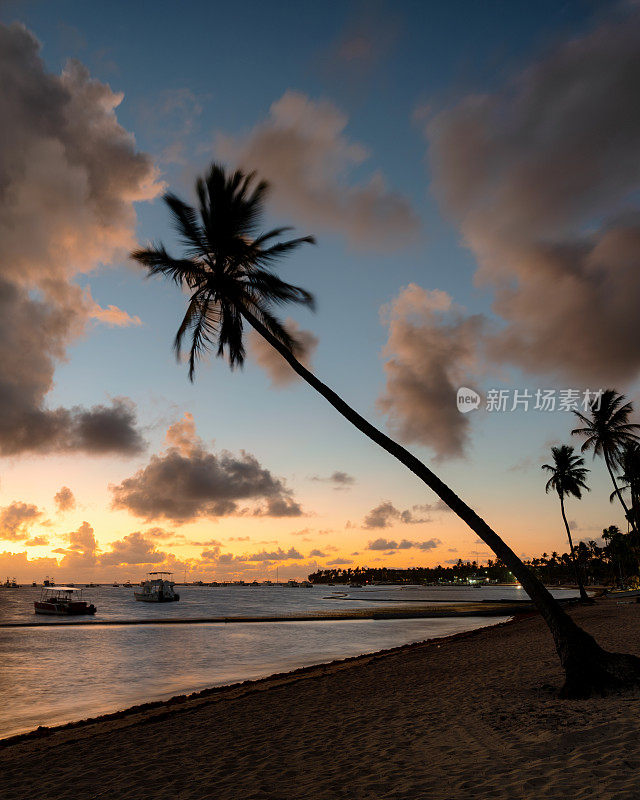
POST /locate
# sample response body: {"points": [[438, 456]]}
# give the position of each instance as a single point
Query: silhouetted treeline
{"points": [[614, 564]]}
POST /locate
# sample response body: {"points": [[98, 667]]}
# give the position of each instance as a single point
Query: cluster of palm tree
{"points": [[601, 564], [613, 562], [610, 434], [227, 272]]}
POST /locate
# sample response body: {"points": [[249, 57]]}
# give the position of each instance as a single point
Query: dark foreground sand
{"points": [[473, 716]]}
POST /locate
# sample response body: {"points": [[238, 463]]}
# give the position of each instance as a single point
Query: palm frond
{"points": [[183, 271], [274, 290], [187, 224]]}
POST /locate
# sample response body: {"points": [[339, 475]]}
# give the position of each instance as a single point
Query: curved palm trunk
{"points": [[588, 668], [627, 515], [584, 597]]}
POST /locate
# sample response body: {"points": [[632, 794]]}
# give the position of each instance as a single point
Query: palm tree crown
{"points": [[225, 266], [568, 472], [608, 429], [609, 432]]}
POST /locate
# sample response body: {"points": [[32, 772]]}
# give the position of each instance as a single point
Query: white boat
{"points": [[157, 589]]}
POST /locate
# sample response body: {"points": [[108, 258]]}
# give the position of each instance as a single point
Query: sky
{"points": [[471, 174]]}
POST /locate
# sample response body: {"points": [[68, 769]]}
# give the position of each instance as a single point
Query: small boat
{"points": [[115, 585], [63, 601], [157, 589], [10, 583], [615, 593]]}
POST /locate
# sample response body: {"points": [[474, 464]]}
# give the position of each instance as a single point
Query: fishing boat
{"points": [[157, 589], [63, 601], [10, 583]]}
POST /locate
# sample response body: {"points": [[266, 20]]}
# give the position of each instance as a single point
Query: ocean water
{"points": [[52, 675]]}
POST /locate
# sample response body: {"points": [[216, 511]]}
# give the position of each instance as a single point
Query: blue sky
{"points": [[191, 72]]}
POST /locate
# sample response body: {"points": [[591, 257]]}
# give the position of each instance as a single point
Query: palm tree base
{"points": [[597, 673]]}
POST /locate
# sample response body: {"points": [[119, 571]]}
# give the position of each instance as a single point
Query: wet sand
{"points": [[472, 716]]}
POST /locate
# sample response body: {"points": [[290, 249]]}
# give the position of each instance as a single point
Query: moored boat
{"points": [[63, 601], [157, 589]]}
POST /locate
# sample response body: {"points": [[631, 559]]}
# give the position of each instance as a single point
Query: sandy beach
{"points": [[471, 716]]}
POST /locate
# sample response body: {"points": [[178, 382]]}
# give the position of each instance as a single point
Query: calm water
{"points": [[52, 675]]}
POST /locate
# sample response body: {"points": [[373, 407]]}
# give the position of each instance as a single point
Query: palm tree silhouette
{"points": [[630, 479], [608, 431], [615, 546], [568, 475], [226, 269]]}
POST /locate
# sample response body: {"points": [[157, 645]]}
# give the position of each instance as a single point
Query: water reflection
{"points": [[52, 675]]}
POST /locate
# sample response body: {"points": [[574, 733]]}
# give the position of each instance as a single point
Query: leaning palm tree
{"points": [[227, 271], [568, 475], [607, 431]]}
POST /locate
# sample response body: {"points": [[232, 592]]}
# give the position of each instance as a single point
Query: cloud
{"points": [[64, 499], [69, 176], [405, 544], [32, 337], [301, 148], [542, 176], [113, 316], [273, 363], [382, 544], [132, 549], [317, 554], [23, 567], [431, 350], [16, 519], [37, 541], [386, 514], [339, 562], [430, 544], [339, 479], [161, 533], [367, 39], [82, 549], [275, 555], [187, 482]]}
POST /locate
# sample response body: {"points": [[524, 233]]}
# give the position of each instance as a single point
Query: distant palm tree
{"points": [[607, 432], [227, 271], [568, 475], [615, 547]]}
